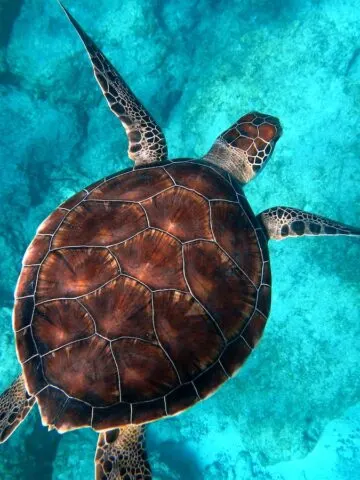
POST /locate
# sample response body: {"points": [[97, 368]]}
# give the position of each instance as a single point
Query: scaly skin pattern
{"points": [[245, 147], [284, 222], [147, 143], [15, 404], [121, 455]]}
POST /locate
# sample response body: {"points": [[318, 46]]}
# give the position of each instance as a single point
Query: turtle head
{"points": [[245, 147]]}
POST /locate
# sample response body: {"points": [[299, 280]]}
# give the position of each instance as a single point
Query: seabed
{"points": [[293, 411]]}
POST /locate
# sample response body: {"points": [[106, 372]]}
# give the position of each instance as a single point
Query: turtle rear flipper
{"points": [[285, 222], [121, 455], [15, 404]]}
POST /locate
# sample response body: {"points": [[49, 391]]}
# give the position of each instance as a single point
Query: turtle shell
{"points": [[141, 295]]}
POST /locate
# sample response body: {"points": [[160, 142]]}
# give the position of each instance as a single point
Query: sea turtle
{"points": [[146, 291]]}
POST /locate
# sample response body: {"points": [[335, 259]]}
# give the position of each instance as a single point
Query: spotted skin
{"points": [[15, 404], [147, 143], [246, 146], [284, 222], [121, 455]]}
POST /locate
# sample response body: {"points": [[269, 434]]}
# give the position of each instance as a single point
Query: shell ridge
{"points": [[158, 340], [200, 303]]}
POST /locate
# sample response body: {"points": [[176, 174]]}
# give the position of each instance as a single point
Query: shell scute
{"points": [[235, 355], [34, 376], [27, 281], [25, 345], [51, 223], [59, 322], [216, 282], [237, 237], [133, 186], [145, 371], [70, 272], [145, 255], [148, 411], [22, 313], [209, 380], [76, 414], [122, 307], [254, 329], [106, 418], [202, 179], [35, 251], [74, 200], [181, 398], [166, 211], [99, 224], [86, 370], [186, 332], [263, 303], [51, 400]]}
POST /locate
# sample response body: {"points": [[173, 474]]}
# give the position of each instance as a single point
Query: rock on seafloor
{"points": [[293, 411]]}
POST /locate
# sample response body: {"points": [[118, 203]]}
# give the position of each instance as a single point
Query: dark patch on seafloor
{"points": [[8, 78], [179, 457], [36, 172], [9, 11], [43, 452], [353, 61]]}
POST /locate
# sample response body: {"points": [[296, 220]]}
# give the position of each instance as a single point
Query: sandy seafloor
{"points": [[293, 411]]}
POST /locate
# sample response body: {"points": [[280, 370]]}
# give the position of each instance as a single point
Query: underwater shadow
{"points": [[30, 452], [179, 457], [9, 11], [41, 447]]}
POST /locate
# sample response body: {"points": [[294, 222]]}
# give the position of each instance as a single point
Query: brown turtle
{"points": [[143, 293]]}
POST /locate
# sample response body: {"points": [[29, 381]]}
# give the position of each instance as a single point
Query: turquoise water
{"points": [[293, 411]]}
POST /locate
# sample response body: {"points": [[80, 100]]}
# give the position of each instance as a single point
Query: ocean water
{"points": [[293, 411]]}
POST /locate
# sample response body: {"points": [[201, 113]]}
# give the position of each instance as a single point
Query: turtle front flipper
{"points": [[15, 404], [246, 146], [147, 143], [121, 455], [285, 222]]}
